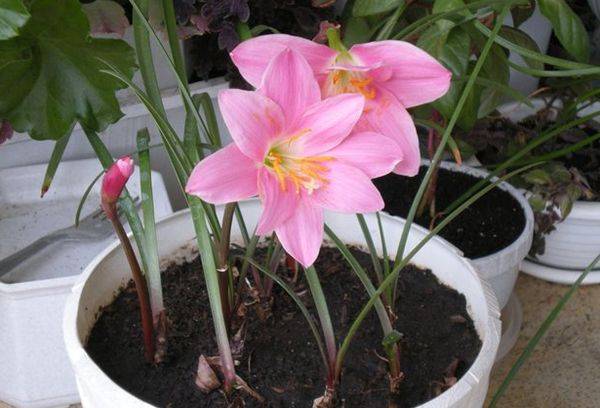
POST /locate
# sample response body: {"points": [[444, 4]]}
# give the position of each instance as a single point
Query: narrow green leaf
{"points": [[568, 28], [84, 197], [386, 30], [261, 28], [13, 16], [55, 158], [152, 270], [363, 8]]}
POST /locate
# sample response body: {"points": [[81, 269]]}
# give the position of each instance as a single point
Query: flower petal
{"points": [[417, 78], [386, 115], [278, 205], [348, 190], [302, 234], [225, 176], [290, 82], [329, 122], [376, 155], [253, 120], [252, 56]]}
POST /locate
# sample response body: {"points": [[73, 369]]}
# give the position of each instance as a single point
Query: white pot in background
{"points": [[108, 272], [34, 368], [576, 241], [120, 137]]}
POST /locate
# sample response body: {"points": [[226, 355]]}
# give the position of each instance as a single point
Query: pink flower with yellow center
{"points": [[297, 153], [391, 75]]}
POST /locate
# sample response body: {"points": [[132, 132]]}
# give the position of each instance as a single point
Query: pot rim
{"points": [[477, 373]]}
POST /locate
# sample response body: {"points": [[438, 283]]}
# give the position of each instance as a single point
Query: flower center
{"points": [[302, 172], [341, 81]]}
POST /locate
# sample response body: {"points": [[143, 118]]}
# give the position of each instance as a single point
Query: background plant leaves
{"points": [[363, 8], [51, 77], [568, 28], [13, 16]]}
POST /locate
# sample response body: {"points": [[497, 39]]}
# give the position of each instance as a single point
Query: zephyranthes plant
{"points": [[320, 125]]}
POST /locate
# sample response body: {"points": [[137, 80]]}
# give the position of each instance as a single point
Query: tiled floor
{"points": [[564, 370]]}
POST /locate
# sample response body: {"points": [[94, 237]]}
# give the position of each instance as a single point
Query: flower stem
{"points": [[138, 279], [223, 267], [325, 318]]}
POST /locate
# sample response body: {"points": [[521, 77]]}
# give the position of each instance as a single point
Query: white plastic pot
{"points": [[108, 272], [576, 241], [34, 368]]}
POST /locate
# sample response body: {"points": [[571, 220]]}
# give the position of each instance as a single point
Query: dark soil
{"points": [[280, 359], [490, 224]]}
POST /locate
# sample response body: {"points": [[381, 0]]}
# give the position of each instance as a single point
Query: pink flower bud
{"points": [[115, 179]]}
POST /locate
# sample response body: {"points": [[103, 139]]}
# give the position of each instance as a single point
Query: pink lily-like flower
{"points": [[297, 153], [391, 75]]}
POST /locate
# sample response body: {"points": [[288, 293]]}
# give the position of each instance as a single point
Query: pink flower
{"points": [[297, 154], [391, 75], [115, 179]]}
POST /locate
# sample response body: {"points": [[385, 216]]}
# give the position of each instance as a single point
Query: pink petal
{"points": [[225, 176], [253, 120], [376, 155], [252, 56], [417, 78], [329, 122], [278, 205], [386, 115], [348, 190], [289, 81], [302, 234]]}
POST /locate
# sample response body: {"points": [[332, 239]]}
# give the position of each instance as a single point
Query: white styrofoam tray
{"points": [[34, 369]]}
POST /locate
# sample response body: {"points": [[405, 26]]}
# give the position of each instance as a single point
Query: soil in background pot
{"points": [[490, 224], [280, 359]]}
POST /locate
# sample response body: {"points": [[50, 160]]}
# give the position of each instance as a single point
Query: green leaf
{"points": [[495, 70], [443, 6], [363, 8], [522, 12], [537, 202], [538, 176], [391, 338], [55, 158], [568, 28], [13, 16], [523, 39], [50, 75], [357, 31]]}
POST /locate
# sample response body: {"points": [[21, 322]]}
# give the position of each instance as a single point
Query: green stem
{"points": [[223, 266], [442, 145], [540, 333], [325, 318], [372, 251], [152, 269], [382, 313], [214, 295]]}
